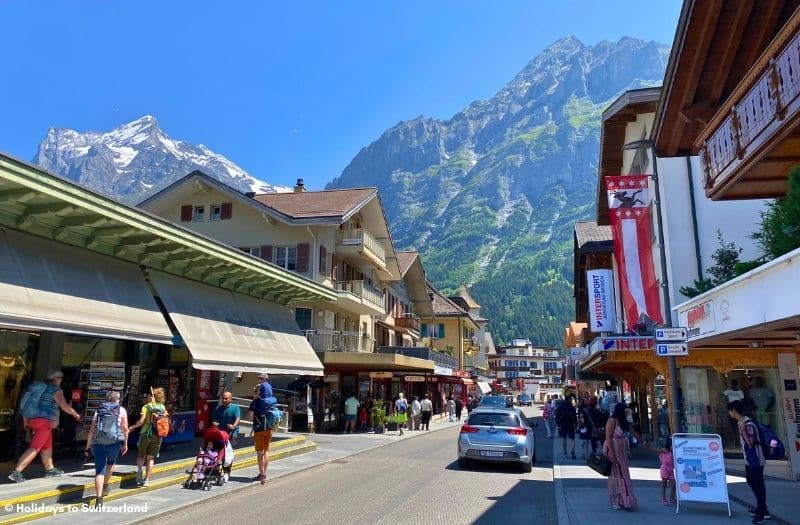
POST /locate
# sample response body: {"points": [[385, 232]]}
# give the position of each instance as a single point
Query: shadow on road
{"points": [[507, 508]]}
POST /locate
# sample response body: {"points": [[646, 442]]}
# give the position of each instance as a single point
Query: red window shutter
{"points": [[226, 211], [322, 263], [333, 267], [186, 213], [302, 257], [266, 253]]}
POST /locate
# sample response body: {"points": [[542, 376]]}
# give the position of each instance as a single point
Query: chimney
{"points": [[300, 187], [250, 194]]}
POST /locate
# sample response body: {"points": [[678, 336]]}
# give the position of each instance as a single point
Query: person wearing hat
{"points": [[51, 400]]}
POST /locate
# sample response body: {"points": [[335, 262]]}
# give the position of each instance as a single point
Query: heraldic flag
{"points": [[629, 209]]}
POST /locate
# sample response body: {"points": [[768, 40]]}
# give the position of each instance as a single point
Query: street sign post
{"points": [[672, 349], [677, 334]]}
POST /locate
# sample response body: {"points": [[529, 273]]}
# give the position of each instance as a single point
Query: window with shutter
{"points": [[423, 330], [441, 331], [323, 260], [186, 212], [266, 253], [226, 211], [302, 257], [334, 262]]}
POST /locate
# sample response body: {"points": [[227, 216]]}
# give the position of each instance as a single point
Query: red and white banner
{"points": [[629, 209]]}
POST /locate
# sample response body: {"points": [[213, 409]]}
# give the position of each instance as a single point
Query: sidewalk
{"points": [[582, 495], [146, 504]]}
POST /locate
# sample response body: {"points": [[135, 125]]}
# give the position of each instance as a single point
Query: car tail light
{"points": [[519, 431], [467, 429]]}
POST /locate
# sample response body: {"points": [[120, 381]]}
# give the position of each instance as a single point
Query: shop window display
{"points": [[706, 393], [16, 356]]}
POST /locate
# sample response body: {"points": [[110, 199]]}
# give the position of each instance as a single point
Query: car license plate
{"points": [[492, 453]]}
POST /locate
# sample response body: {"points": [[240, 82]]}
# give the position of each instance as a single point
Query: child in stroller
{"points": [[213, 462]]}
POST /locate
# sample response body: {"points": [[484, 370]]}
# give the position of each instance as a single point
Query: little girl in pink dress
{"points": [[667, 473]]}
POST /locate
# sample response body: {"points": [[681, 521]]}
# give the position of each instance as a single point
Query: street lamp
{"points": [[673, 369]]}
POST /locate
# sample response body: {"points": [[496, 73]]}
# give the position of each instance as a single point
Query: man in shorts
{"points": [[350, 413], [262, 435]]}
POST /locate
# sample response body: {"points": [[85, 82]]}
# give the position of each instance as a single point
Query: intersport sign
{"points": [[602, 311]]}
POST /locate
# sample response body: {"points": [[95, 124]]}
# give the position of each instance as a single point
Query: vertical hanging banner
{"points": [[629, 210], [601, 300]]}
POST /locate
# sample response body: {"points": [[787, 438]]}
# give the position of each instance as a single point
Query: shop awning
{"points": [[466, 381], [485, 388], [45, 285], [228, 331]]}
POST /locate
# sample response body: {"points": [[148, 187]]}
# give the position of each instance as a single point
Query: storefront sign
{"points": [[602, 310], [700, 469], [626, 343], [461, 373], [442, 371], [671, 349], [76, 395], [699, 319], [381, 375], [202, 395], [790, 397], [414, 379], [333, 378]]}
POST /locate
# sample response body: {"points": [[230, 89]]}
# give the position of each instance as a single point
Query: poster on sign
{"points": [[699, 469]]}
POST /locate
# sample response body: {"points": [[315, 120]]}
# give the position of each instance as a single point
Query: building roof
{"points": [[443, 306], [591, 237], [463, 292], [405, 259], [318, 204]]}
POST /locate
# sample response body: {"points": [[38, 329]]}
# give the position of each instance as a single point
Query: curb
{"points": [[294, 446], [558, 490]]}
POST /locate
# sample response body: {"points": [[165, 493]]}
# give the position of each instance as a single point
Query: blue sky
{"points": [[286, 90]]}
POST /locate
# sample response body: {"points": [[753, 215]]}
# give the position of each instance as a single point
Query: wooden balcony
{"points": [[359, 243], [752, 142], [359, 297], [408, 322]]}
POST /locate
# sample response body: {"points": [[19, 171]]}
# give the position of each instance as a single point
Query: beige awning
{"points": [[227, 331], [46, 285]]}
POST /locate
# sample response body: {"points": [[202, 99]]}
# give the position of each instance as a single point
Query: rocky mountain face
{"points": [[490, 196], [135, 159]]}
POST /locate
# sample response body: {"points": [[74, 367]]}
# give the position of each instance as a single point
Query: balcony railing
{"points": [[422, 352], [363, 290], [330, 341], [409, 322], [755, 113], [361, 237]]}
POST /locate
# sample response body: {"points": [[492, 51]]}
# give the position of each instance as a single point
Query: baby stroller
{"points": [[213, 462]]}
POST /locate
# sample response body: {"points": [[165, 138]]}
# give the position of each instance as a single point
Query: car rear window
{"points": [[498, 420], [493, 401]]}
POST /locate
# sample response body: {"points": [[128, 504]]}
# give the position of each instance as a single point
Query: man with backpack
{"points": [[154, 421], [567, 422], [754, 459], [263, 402], [39, 408], [108, 438]]}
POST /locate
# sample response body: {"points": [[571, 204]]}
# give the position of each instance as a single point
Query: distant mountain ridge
{"points": [[135, 159], [490, 195]]}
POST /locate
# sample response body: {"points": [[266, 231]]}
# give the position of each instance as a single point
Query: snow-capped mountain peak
{"points": [[137, 158]]}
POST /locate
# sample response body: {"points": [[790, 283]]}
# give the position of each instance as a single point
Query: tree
{"points": [[726, 259], [779, 231]]}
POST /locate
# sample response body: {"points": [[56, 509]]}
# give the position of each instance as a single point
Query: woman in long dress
{"points": [[620, 486]]}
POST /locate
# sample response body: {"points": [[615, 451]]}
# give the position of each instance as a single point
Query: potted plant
{"points": [[378, 417], [392, 422]]}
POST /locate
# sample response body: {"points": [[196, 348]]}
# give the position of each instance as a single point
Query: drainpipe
{"points": [[313, 255], [697, 253]]}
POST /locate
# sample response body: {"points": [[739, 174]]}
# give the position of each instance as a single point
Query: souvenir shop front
{"points": [[373, 378]]}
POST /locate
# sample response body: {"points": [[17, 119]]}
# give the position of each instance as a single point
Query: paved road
{"points": [[411, 481]]}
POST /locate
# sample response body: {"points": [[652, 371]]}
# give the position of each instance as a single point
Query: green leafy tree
{"points": [[780, 223], [726, 267]]}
